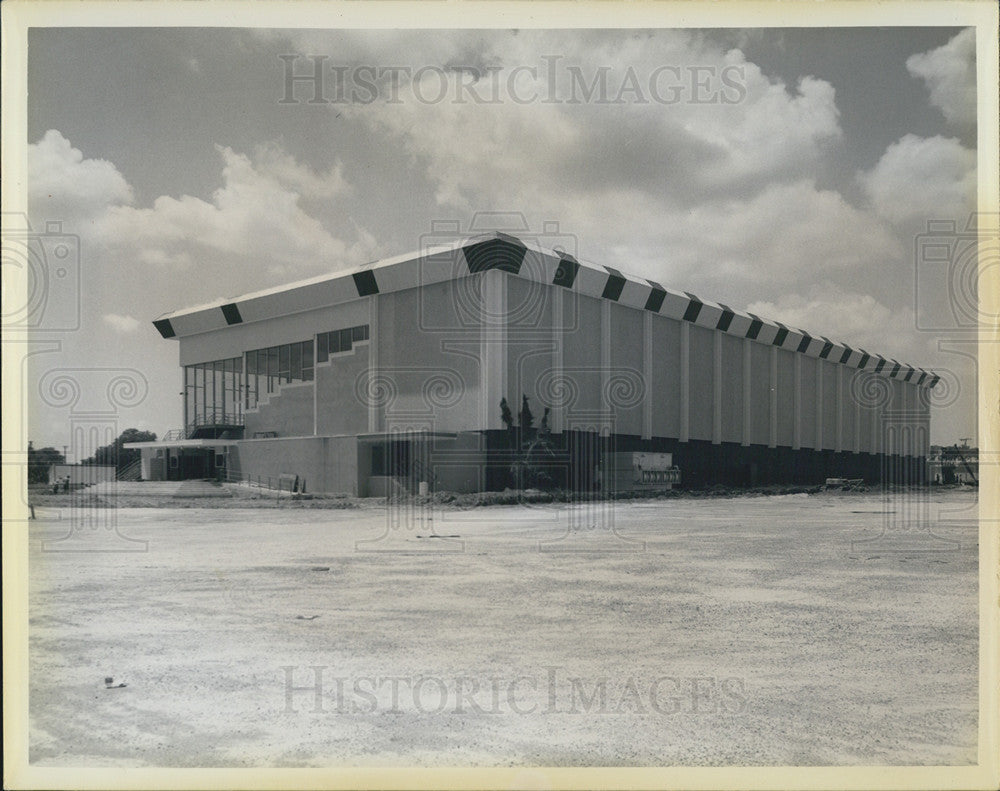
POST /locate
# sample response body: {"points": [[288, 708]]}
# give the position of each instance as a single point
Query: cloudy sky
{"points": [[788, 172]]}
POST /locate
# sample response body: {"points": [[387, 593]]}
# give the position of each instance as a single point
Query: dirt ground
{"points": [[800, 629]]}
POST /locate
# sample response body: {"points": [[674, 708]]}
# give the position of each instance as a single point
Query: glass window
{"points": [[268, 369], [338, 341], [219, 385], [199, 395], [284, 363], [307, 361], [213, 392], [272, 369]]}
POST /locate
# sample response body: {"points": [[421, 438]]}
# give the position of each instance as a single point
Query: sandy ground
{"points": [[799, 629]]}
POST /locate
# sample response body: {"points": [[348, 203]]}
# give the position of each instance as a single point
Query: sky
{"points": [[788, 172]]}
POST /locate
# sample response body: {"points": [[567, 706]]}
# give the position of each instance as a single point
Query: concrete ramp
{"points": [[172, 489]]}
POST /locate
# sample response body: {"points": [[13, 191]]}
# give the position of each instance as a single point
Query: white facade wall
{"points": [[441, 356]]}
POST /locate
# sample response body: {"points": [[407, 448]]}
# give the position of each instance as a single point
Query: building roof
{"points": [[439, 262]]}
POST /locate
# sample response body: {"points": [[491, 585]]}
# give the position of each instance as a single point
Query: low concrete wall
{"points": [[328, 464]]}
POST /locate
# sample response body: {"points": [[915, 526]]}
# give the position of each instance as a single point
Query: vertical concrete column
{"points": [[796, 401], [925, 411], [857, 414], [605, 351], [373, 366], [746, 392], [840, 407], [685, 376], [558, 333], [647, 374], [772, 432], [493, 349], [819, 404], [909, 426], [876, 443], [316, 395], [717, 387]]}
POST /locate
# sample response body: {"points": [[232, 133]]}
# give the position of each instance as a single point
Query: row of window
{"points": [[269, 368], [328, 343], [216, 392]]}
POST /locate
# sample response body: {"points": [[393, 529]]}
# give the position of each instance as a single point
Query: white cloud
{"points": [[253, 221], [120, 323], [857, 319], [786, 233], [63, 185], [527, 147], [271, 161], [258, 229], [950, 74], [923, 178]]}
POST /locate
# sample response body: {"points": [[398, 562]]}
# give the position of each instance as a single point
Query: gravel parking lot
{"points": [[800, 629]]}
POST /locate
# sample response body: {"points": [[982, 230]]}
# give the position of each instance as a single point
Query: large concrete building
{"points": [[395, 372]]}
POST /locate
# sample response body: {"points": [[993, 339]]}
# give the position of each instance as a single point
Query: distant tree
{"points": [[505, 414], [39, 462], [544, 427], [527, 419], [115, 454]]}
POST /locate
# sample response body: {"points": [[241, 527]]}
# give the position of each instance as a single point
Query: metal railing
{"points": [[203, 421], [216, 417], [290, 483], [131, 471]]}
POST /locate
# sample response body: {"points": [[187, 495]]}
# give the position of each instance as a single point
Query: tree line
{"points": [[112, 454]]}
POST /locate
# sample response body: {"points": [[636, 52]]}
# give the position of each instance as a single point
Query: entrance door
{"points": [[191, 463]]}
